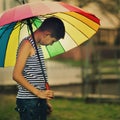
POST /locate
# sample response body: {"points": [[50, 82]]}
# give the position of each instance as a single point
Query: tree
{"points": [[112, 6]]}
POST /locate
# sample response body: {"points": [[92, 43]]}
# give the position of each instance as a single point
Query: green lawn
{"points": [[65, 109]]}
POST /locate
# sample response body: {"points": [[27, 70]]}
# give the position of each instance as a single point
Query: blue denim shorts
{"points": [[32, 109]]}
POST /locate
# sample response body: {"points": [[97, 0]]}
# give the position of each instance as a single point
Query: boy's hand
{"points": [[45, 94]]}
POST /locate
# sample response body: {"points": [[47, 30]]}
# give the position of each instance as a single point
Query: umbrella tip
{"points": [[23, 1]]}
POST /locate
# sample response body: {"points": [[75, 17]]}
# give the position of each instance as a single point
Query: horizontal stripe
{"points": [[33, 73]]}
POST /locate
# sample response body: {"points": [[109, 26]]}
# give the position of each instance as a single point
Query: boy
{"points": [[32, 93]]}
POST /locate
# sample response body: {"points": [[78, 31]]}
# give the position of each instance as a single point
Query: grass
{"points": [[65, 109]]}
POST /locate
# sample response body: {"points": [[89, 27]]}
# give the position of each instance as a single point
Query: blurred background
{"points": [[90, 71]]}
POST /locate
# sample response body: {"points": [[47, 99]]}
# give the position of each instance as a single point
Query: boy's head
{"points": [[55, 26]]}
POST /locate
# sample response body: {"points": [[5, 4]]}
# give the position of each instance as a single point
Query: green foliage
{"points": [[112, 6]]}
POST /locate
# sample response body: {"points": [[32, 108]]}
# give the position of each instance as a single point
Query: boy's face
{"points": [[47, 39]]}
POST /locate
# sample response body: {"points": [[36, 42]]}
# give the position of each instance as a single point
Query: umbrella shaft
{"points": [[31, 30]]}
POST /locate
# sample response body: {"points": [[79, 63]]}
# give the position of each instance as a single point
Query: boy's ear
{"points": [[46, 33]]}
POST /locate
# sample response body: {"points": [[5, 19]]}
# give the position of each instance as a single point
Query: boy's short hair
{"points": [[55, 26]]}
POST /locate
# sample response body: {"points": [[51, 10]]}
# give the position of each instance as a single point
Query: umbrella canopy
{"points": [[79, 25]]}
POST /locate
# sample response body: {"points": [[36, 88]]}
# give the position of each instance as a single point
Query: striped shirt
{"points": [[33, 73]]}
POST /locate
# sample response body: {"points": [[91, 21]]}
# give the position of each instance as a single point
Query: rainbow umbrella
{"points": [[79, 25]]}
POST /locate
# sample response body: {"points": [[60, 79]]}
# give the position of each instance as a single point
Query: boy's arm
{"points": [[23, 54]]}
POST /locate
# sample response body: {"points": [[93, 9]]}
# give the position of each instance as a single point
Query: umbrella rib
{"points": [[48, 51], [66, 31], [81, 20], [34, 22], [73, 25], [8, 27], [59, 53], [61, 45], [15, 26], [8, 38]]}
